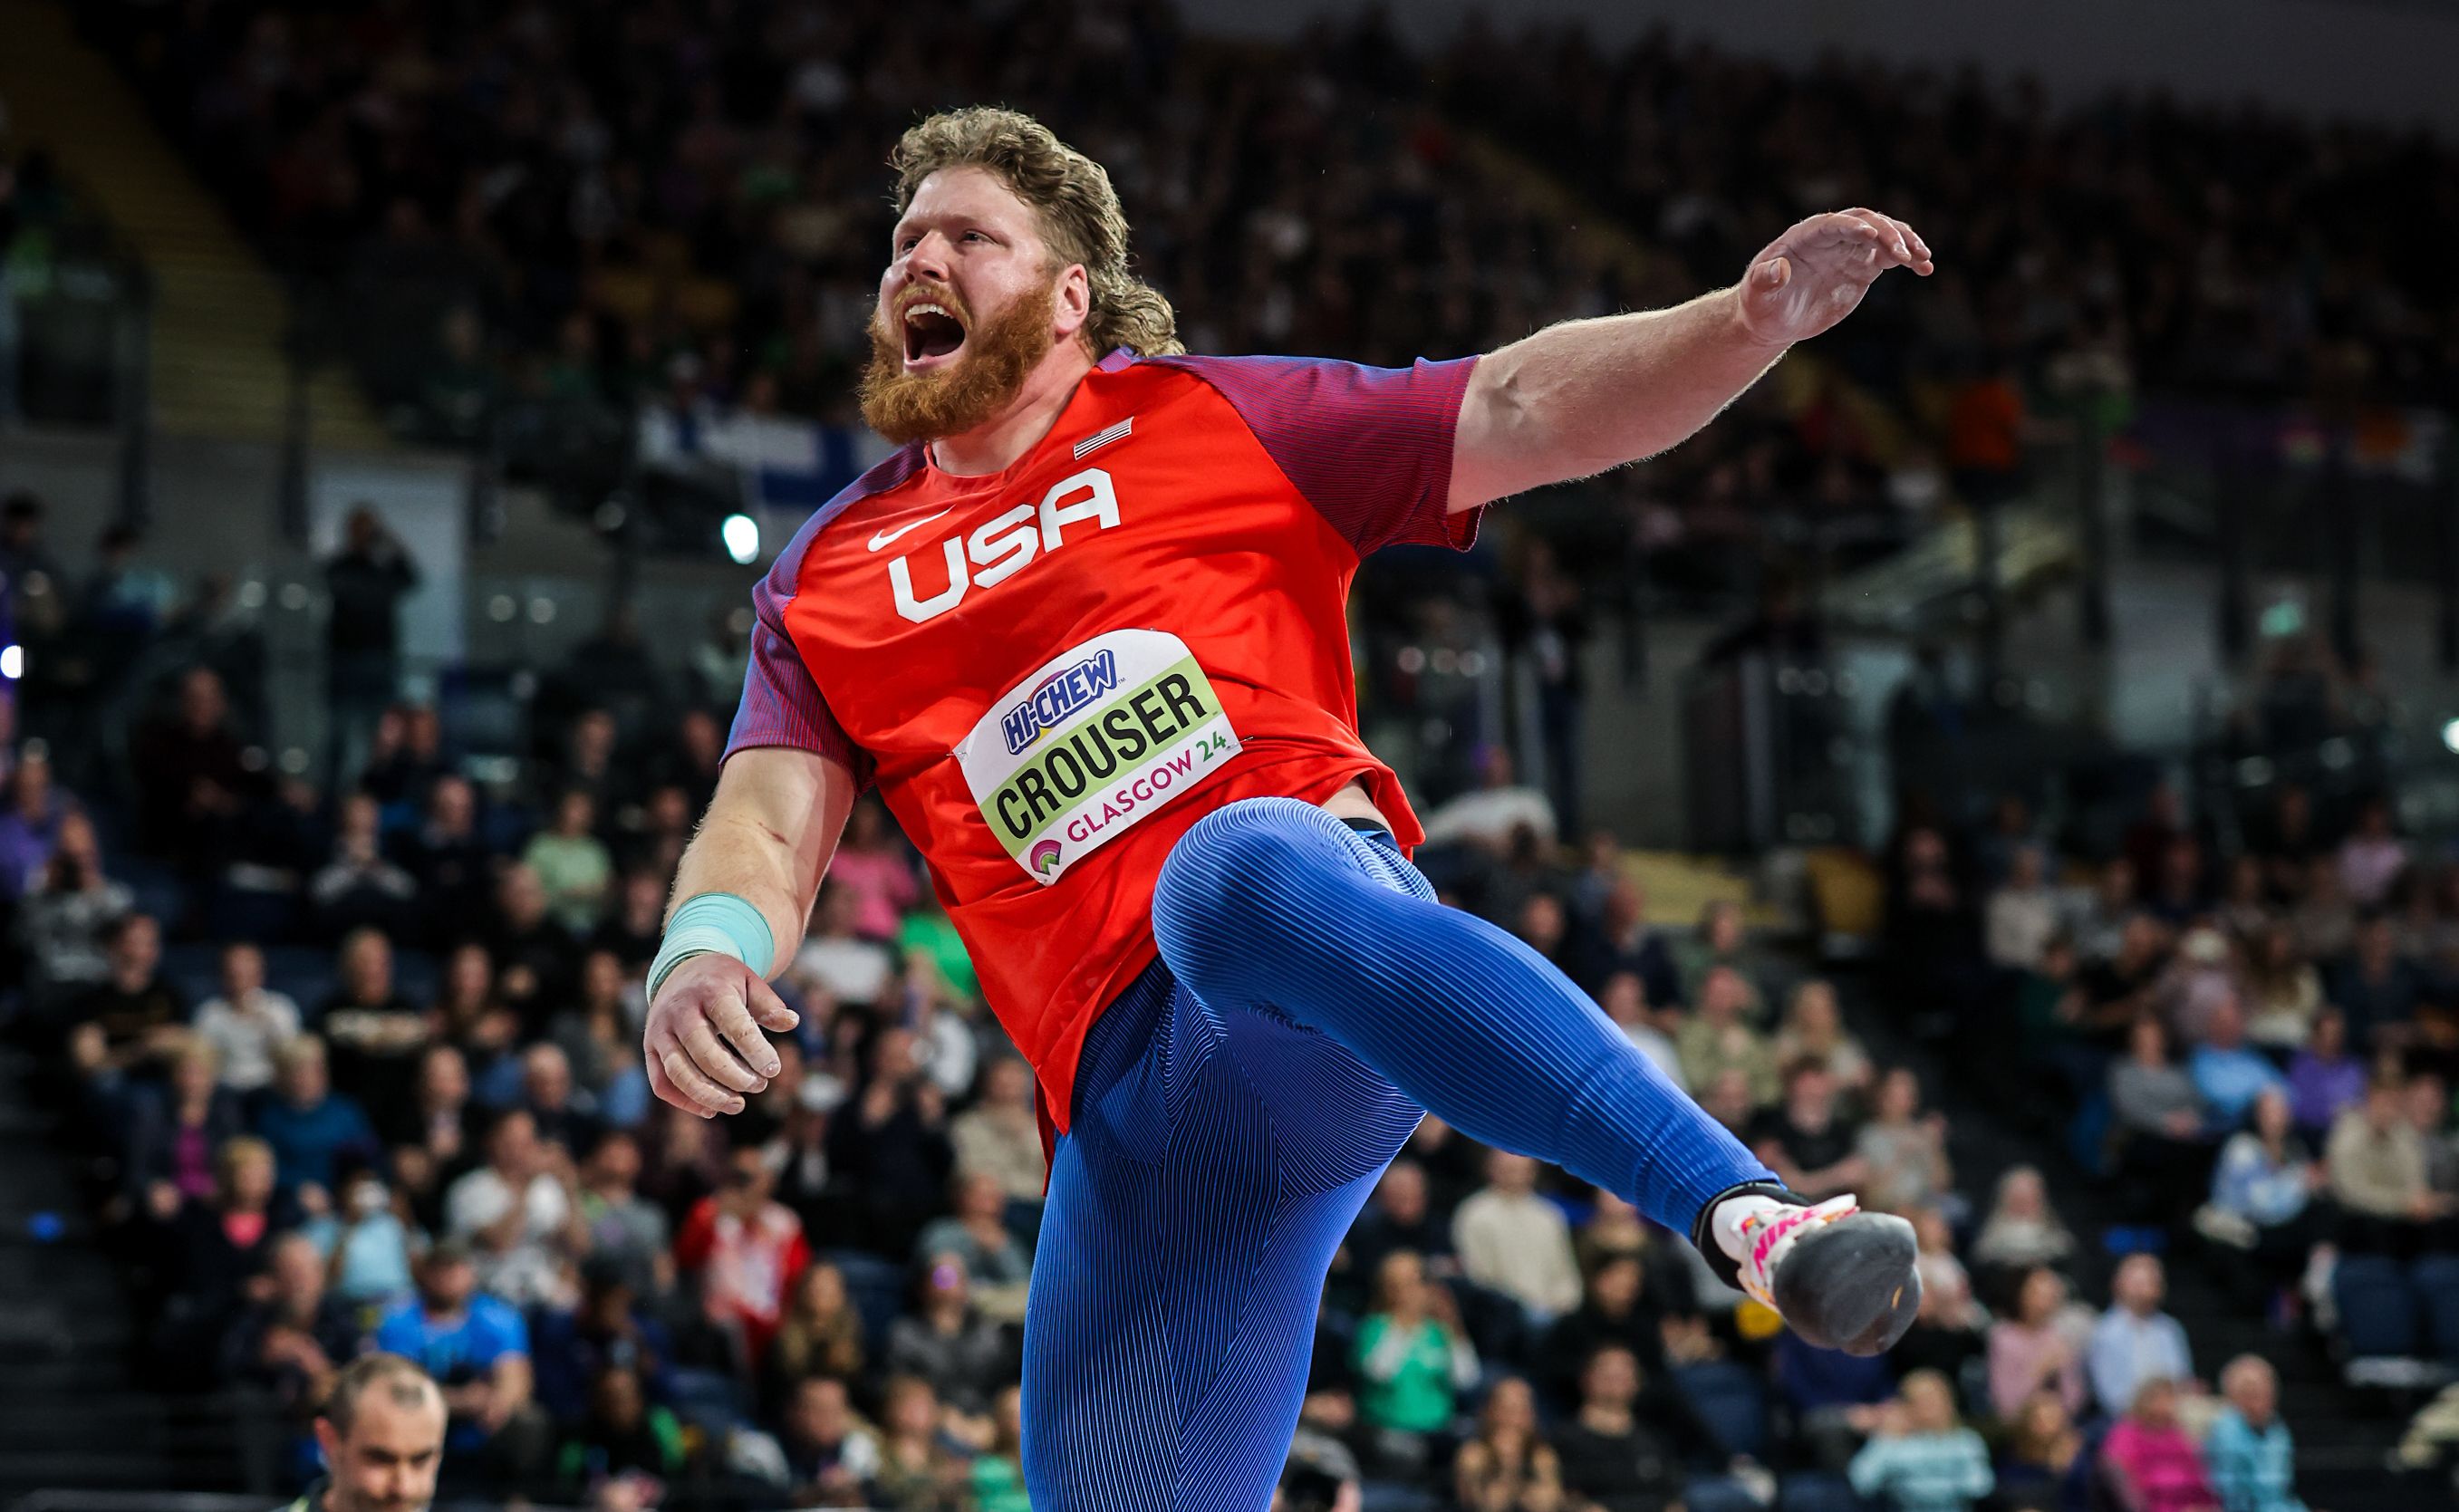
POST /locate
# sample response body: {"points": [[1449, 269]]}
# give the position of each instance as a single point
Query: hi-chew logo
{"points": [[1059, 695], [1044, 858]]}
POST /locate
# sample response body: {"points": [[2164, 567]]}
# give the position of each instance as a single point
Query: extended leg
{"points": [[1274, 903]]}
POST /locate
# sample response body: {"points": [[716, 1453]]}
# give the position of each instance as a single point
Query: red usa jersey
{"points": [[1053, 671]]}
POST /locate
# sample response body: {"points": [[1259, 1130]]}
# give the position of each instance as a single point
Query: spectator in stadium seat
{"points": [[2373, 857], [872, 865], [1813, 1030], [2044, 1467], [2262, 1220], [311, 1129], [174, 1129], [1919, 1457], [1721, 938], [1804, 1140], [622, 1229], [693, 760], [477, 1348], [850, 969], [1629, 1446], [134, 1011], [566, 1117], [2378, 1175], [2036, 1348], [573, 864], [1624, 998], [517, 1213], [468, 1015], [1619, 1308], [976, 1233], [2227, 1074], [2324, 1079], [1414, 1359], [890, 1145], [441, 1126], [2157, 1467], [819, 1334], [29, 825], [2248, 1450], [2164, 1162], [746, 1250], [2134, 1341], [947, 1342], [450, 861], [535, 957], [2426, 1099], [1946, 1330], [601, 1044], [66, 920], [375, 1034], [368, 1242], [294, 1341], [1514, 1241], [207, 1250], [247, 1021], [635, 926], [1904, 1150], [2022, 1230], [998, 1136], [832, 1460], [1718, 1038], [621, 1434], [1506, 1465], [652, 838], [2283, 992], [2376, 988], [406, 757], [2022, 912], [926, 927], [995, 1477], [194, 787], [1487, 814], [611, 1326], [1622, 941], [921, 1462], [358, 888]]}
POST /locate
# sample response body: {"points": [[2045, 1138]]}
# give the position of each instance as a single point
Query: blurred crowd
{"points": [[2217, 249], [353, 1064]]}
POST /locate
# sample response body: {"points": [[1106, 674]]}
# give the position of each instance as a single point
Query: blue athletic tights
{"points": [[1235, 1108]]}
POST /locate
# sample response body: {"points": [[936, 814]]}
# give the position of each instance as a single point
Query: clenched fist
{"points": [[702, 1037]]}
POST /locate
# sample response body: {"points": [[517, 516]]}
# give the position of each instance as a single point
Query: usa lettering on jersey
{"points": [[1006, 544]]}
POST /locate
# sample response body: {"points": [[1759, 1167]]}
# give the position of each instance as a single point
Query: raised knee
{"points": [[1221, 875]]}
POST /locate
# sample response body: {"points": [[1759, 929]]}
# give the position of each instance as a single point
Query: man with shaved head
{"points": [[382, 1434]]}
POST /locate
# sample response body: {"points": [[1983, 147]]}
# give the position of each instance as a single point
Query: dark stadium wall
{"points": [[2380, 61]]}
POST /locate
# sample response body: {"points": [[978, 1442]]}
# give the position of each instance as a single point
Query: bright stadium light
{"points": [[741, 535], [2449, 731], [12, 662]]}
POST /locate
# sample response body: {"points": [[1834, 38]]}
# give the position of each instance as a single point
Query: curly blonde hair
{"points": [[1080, 218]]}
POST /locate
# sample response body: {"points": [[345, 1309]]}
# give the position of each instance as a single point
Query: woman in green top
{"points": [[571, 863], [1413, 1356], [999, 1474]]}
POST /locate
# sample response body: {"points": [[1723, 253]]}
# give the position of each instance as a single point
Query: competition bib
{"points": [[1096, 740]]}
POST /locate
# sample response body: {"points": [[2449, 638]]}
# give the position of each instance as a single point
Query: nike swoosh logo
{"points": [[885, 536]]}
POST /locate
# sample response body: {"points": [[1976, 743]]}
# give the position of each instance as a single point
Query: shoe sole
{"points": [[1850, 1284]]}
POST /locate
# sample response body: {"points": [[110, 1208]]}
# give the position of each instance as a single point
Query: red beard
{"points": [[985, 378]]}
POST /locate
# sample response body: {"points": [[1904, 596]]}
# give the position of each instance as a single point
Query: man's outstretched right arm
{"points": [[742, 895]]}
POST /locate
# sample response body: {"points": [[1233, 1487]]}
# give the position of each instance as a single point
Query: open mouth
{"points": [[931, 331]]}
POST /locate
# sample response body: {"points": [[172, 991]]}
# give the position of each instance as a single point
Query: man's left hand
{"points": [[1813, 275]]}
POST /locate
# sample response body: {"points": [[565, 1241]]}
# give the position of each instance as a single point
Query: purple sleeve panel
{"points": [[1370, 448], [782, 706]]}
